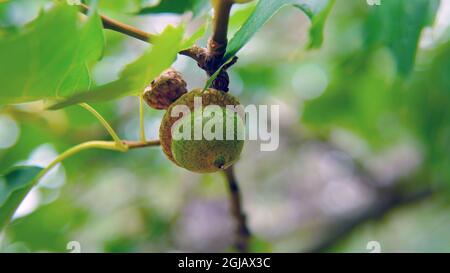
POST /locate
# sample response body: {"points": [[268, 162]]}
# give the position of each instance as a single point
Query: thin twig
{"points": [[104, 123], [376, 211], [140, 144], [194, 52], [94, 144], [115, 25], [242, 232]]}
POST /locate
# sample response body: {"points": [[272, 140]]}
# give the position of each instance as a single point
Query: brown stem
{"points": [[242, 231], [139, 144], [218, 42], [217, 45], [194, 52]]}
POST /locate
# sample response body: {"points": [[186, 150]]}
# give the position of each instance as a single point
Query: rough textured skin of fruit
{"points": [[165, 89], [205, 156], [209, 96]]}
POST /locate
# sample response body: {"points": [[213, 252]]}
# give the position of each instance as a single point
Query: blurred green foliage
{"points": [[377, 77]]}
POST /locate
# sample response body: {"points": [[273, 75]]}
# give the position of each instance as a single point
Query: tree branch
{"points": [[112, 24], [194, 52], [218, 42], [387, 202], [211, 58], [242, 231]]}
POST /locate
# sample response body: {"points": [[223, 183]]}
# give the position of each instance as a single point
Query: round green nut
{"points": [[204, 140]]}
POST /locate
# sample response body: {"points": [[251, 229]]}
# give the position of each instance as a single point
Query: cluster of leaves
{"points": [[377, 92], [68, 58]]}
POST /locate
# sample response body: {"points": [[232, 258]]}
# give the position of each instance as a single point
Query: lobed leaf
{"points": [[51, 57], [137, 75]]}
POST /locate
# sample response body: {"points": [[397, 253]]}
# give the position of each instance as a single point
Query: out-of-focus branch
{"points": [[194, 52], [388, 201], [242, 231]]}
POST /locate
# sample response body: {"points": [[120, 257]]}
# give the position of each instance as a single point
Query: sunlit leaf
{"points": [[138, 74], [51, 57], [238, 18]]}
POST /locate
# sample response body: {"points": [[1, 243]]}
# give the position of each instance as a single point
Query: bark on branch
{"points": [[242, 232]]}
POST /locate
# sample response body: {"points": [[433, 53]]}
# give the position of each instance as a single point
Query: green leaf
{"points": [[360, 96], [397, 24], [239, 16], [425, 106], [178, 7], [365, 91], [51, 57], [14, 187], [200, 32], [317, 11], [137, 75], [317, 26]]}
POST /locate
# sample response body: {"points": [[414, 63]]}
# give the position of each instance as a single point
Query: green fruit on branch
{"points": [[208, 154], [165, 89]]}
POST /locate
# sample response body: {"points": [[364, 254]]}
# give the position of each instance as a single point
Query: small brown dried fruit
{"points": [[165, 89]]}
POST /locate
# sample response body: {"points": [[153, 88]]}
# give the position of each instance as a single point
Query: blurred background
{"points": [[364, 143]]}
